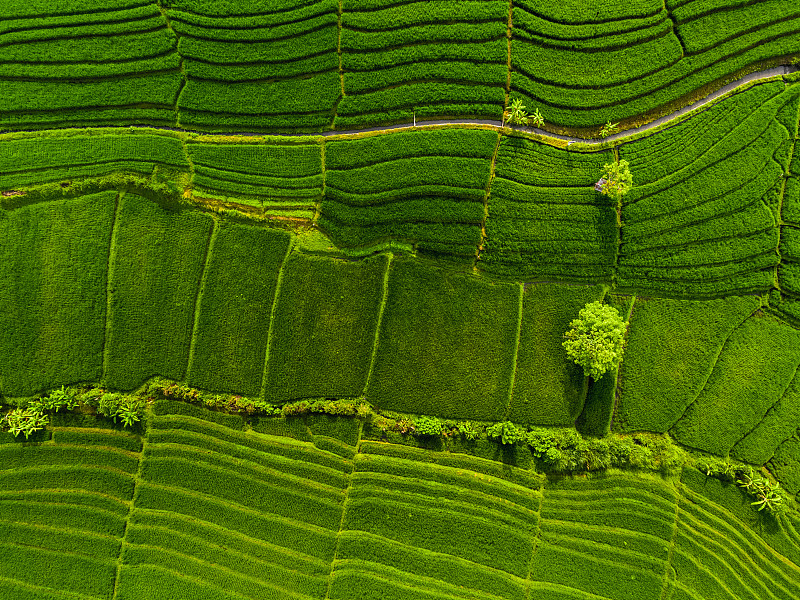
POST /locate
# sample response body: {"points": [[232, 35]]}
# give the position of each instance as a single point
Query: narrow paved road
{"points": [[744, 81]]}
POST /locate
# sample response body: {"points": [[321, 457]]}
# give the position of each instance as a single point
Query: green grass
{"points": [[777, 426], [445, 344], [423, 187], [235, 308], [53, 288], [587, 71], [548, 388], [324, 331], [158, 256], [754, 369], [668, 360], [275, 173]]}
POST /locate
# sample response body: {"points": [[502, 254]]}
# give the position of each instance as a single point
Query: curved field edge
{"points": [[210, 510], [232, 69]]}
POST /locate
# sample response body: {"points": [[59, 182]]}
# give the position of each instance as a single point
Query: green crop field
{"points": [[204, 510], [400, 300]]}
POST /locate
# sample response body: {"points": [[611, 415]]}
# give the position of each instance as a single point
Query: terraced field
{"points": [[200, 508], [309, 66], [230, 205]]}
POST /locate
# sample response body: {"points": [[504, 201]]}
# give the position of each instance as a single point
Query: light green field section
{"points": [[202, 507], [63, 510], [752, 373], [667, 363], [404, 506]]}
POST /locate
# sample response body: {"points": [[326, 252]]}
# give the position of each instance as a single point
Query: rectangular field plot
{"points": [[548, 388], [433, 525], [235, 305], [606, 537], [695, 223], [124, 56], [156, 264], [545, 220], [666, 362], [52, 289], [324, 331], [273, 173], [446, 344], [62, 518], [253, 68], [755, 367], [619, 65], [223, 511], [433, 59], [44, 159], [424, 187]]}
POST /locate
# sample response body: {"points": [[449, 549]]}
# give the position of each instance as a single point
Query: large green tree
{"points": [[595, 339]]}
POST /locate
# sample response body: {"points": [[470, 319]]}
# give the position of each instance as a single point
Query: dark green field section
{"points": [[255, 67], [258, 174], [588, 67], [699, 221], [53, 292], [234, 310], [154, 271], [545, 221], [44, 158], [426, 187], [299, 65], [549, 389], [325, 324], [752, 374], [428, 59], [199, 510], [446, 343], [667, 364], [103, 62]]}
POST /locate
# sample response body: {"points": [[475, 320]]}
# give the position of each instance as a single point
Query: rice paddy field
{"points": [[284, 287]]}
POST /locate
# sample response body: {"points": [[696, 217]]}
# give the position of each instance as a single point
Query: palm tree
{"points": [[516, 113]]}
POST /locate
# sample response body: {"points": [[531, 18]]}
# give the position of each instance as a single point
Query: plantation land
{"points": [[300, 66], [201, 207], [200, 509]]}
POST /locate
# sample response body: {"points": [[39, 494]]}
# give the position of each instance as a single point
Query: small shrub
{"points": [[25, 420], [506, 432], [427, 426], [609, 129], [61, 398], [469, 430], [129, 409]]}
